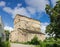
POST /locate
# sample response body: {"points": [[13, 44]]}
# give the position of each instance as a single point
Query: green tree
{"points": [[54, 27], [7, 34]]}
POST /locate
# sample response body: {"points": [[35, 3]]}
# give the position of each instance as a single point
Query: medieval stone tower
{"points": [[25, 29]]}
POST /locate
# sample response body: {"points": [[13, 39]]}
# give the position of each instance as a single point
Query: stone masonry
{"points": [[25, 29]]}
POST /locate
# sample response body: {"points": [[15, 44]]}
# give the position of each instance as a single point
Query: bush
{"points": [[35, 41], [4, 44]]}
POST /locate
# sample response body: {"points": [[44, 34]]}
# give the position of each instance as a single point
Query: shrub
{"points": [[4, 44], [35, 41]]}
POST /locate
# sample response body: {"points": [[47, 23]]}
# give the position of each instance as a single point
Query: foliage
{"points": [[4, 44], [49, 42], [0, 24], [35, 40], [54, 27], [7, 34]]}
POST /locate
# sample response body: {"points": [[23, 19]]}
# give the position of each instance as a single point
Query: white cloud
{"points": [[31, 10], [54, 2], [33, 7], [16, 10], [21, 11], [39, 4], [2, 3], [19, 5], [8, 28], [43, 26], [8, 9]]}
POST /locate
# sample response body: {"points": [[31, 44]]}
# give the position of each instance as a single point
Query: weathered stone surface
{"points": [[25, 29], [26, 23]]}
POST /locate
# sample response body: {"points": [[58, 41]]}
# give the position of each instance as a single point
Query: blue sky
{"points": [[31, 8]]}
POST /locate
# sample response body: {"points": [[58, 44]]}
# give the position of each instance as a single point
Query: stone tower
{"points": [[25, 29]]}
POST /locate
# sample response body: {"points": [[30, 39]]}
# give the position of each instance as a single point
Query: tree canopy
{"points": [[54, 13]]}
